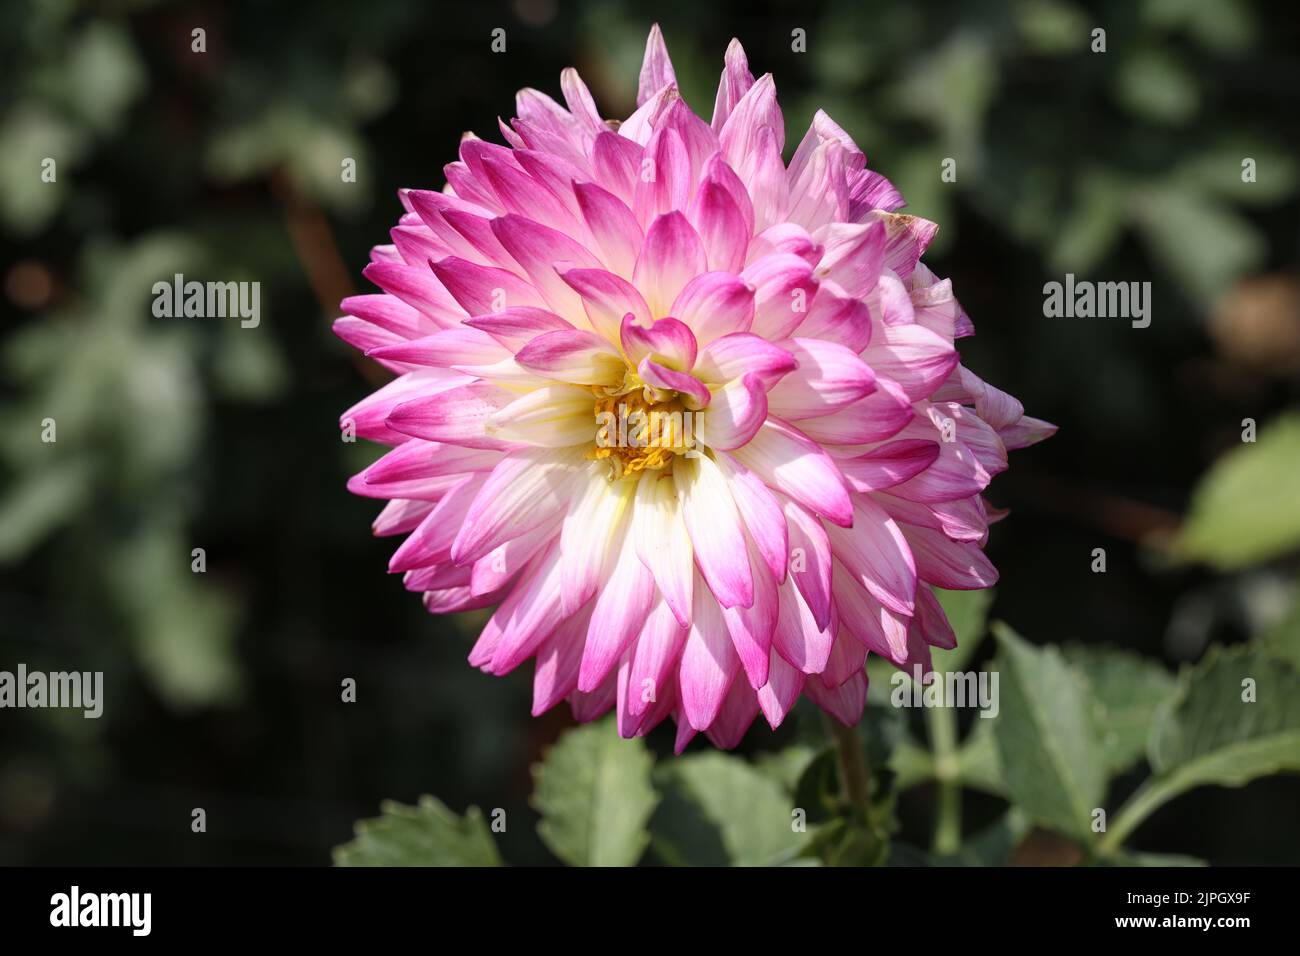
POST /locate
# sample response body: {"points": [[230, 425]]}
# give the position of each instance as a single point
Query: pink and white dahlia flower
{"points": [[691, 415]]}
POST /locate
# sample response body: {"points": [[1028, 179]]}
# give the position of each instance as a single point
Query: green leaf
{"points": [[1052, 762], [787, 765], [39, 503], [1218, 171], [425, 835], [1156, 85], [1207, 734], [594, 795], [1094, 225], [1243, 512], [1202, 241], [912, 764], [718, 811], [992, 846], [1283, 638], [1150, 859], [1129, 690], [968, 614], [978, 766]]}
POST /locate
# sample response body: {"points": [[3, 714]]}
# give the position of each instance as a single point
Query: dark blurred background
{"points": [[223, 688]]}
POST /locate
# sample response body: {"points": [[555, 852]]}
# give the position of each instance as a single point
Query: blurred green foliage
{"points": [[175, 434]]}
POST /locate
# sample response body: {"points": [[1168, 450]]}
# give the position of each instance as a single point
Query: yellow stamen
{"points": [[639, 428]]}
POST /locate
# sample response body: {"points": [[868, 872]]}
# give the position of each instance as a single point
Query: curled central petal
{"points": [[692, 418]]}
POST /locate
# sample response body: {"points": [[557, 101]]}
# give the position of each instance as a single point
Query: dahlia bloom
{"points": [[693, 417]]}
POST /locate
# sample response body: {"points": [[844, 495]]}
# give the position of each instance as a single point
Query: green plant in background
{"points": [[1070, 722], [1134, 95], [1124, 163]]}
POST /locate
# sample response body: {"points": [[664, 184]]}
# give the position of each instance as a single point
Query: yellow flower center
{"points": [[640, 427]]}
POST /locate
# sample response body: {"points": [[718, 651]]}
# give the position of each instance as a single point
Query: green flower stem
{"points": [[1146, 799], [942, 724], [855, 778]]}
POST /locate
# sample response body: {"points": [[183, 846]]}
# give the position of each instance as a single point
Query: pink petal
{"points": [[737, 714], [819, 193], [663, 543], [870, 190], [721, 226], [616, 231], [756, 110], [389, 313], [881, 415], [741, 353], [716, 171], [931, 622], [709, 663], [529, 614], [913, 356], [671, 257], [798, 638], [955, 565], [962, 519], [823, 130], [579, 100], [401, 472], [482, 290], [784, 287], [515, 328], [785, 237], [876, 553], [778, 695], [848, 657], [837, 317], [617, 162], [735, 83], [654, 662], [845, 703], [400, 516], [763, 173], [735, 413], [524, 197], [906, 238], [444, 349], [362, 335], [573, 355], [761, 512], [715, 529], [810, 560], [418, 288], [556, 676], [751, 628], [431, 541], [539, 249], [656, 67], [529, 486], [457, 416], [495, 569], [854, 257], [883, 631], [606, 299], [828, 378], [715, 304], [695, 394], [668, 341], [787, 460], [620, 614], [889, 464], [1027, 431]]}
